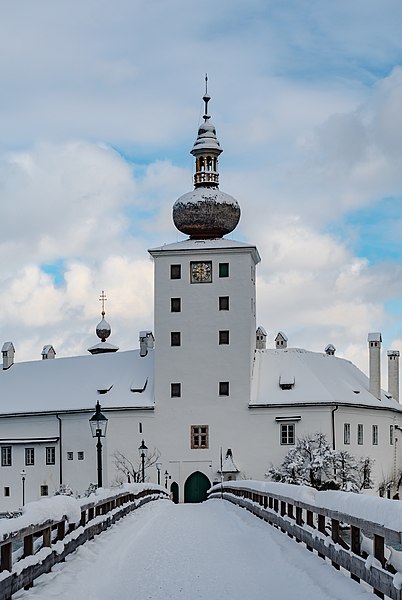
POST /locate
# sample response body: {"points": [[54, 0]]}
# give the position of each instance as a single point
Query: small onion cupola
{"points": [[103, 331], [206, 212]]}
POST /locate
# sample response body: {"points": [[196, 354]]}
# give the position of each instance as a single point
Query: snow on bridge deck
{"points": [[199, 551]]}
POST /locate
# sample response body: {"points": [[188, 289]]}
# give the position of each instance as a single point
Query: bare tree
{"points": [[130, 471]]}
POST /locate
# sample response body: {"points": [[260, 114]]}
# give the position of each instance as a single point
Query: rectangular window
{"points": [[44, 490], [287, 434], [70, 455], [29, 456], [175, 338], [346, 433], [375, 435], [199, 436], [51, 455], [360, 434], [223, 302], [6, 460], [6, 491], [175, 271], [224, 388], [80, 455], [391, 435], [175, 390], [224, 337], [139, 427], [223, 269], [175, 304]]}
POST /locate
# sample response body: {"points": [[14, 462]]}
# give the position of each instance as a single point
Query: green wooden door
{"points": [[195, 488]]}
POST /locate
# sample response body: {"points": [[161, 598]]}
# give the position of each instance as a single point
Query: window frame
{"points": [[6, 456], [360, 434], [175, 390], [70, 455], [175, 305], [287, 434], [44, 490], [198, 435], [175, 271], [224, 388], [223, 269], [80, 455], [29, 456], [346, 434], [223, 302], [6, 491], [50, 455], [374, 435], [175, 339], [224, 337]]}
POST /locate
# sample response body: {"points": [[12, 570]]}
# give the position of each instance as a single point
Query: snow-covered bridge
{"points": [[199, 551], [211, 550]]}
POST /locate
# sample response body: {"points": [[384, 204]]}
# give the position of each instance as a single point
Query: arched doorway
{"points": [[196, 486], [174, 490]]}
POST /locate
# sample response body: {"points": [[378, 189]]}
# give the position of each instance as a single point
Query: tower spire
{"points": [[206, 99]]}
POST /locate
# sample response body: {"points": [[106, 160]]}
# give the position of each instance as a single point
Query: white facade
{"points": [[201, 385]]}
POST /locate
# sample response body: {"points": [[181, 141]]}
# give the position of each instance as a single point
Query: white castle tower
{"points": [[204, 308]]}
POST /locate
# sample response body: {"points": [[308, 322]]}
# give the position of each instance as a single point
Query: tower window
{"points": [[6, 491], [175, 390], [199, 436], [223, 269], [224, 388], [175, 271], [223, 302], [224, 337], [175, 304], [175, 338]]}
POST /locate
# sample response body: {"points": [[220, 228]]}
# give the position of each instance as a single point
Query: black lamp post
{"points": [[23, 475], [98, 424], [143, 453], [158, 468], [167, 476]]}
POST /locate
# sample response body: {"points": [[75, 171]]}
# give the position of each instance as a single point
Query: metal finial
{"points": [[206, 99], [103, 299]]}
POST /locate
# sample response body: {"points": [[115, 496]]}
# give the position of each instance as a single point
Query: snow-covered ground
{"points": [[199, 551]]}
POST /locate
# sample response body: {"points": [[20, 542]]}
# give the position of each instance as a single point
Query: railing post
{"points": [[299, 519], [355, 546], [6, 562], [28, 551], [47, 537], [321, 528], [310, 523], [379, 555], [335, 537]]}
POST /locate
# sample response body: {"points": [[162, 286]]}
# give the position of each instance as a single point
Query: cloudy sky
{"points": [[99, 108]]}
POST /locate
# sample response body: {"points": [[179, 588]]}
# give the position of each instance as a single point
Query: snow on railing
{"points": [[360, 533], [52, 528]]}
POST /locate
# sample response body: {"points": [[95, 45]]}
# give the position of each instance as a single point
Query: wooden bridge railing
{"points": [[28, 551], [334, 534]]}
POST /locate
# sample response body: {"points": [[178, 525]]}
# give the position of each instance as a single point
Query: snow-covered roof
{"points": [[207, 245], [319, 378], [281, 335], [374, 337], [76, 383]]}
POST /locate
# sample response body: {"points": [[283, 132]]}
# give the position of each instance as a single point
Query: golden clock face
{"points": [[201, 272]]}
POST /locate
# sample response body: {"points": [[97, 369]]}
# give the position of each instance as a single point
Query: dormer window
{"points": [[286, 382]]}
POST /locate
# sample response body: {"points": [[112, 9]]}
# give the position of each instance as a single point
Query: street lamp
{"points": [[167, 476], [23, 475], [158, 468], [143, 453], [98, 425]]}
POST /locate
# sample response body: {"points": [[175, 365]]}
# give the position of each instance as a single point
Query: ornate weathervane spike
{"points": [[103, 299], [206, 99]]}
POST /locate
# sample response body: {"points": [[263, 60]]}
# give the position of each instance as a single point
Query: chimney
{"points": [[281, 340], [393, 373], [374, 342], [147, 342], [8, 351], [330, 350], [48, 352]]}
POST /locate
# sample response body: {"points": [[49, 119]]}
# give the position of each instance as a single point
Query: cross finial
{"points": [[103, 299], [206, 99]]}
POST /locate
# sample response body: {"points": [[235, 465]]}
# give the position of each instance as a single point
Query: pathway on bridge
{"points": [[203, 551]]}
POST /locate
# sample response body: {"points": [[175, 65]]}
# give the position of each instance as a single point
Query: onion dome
{"points": [[103, 331], [206, 212]]}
